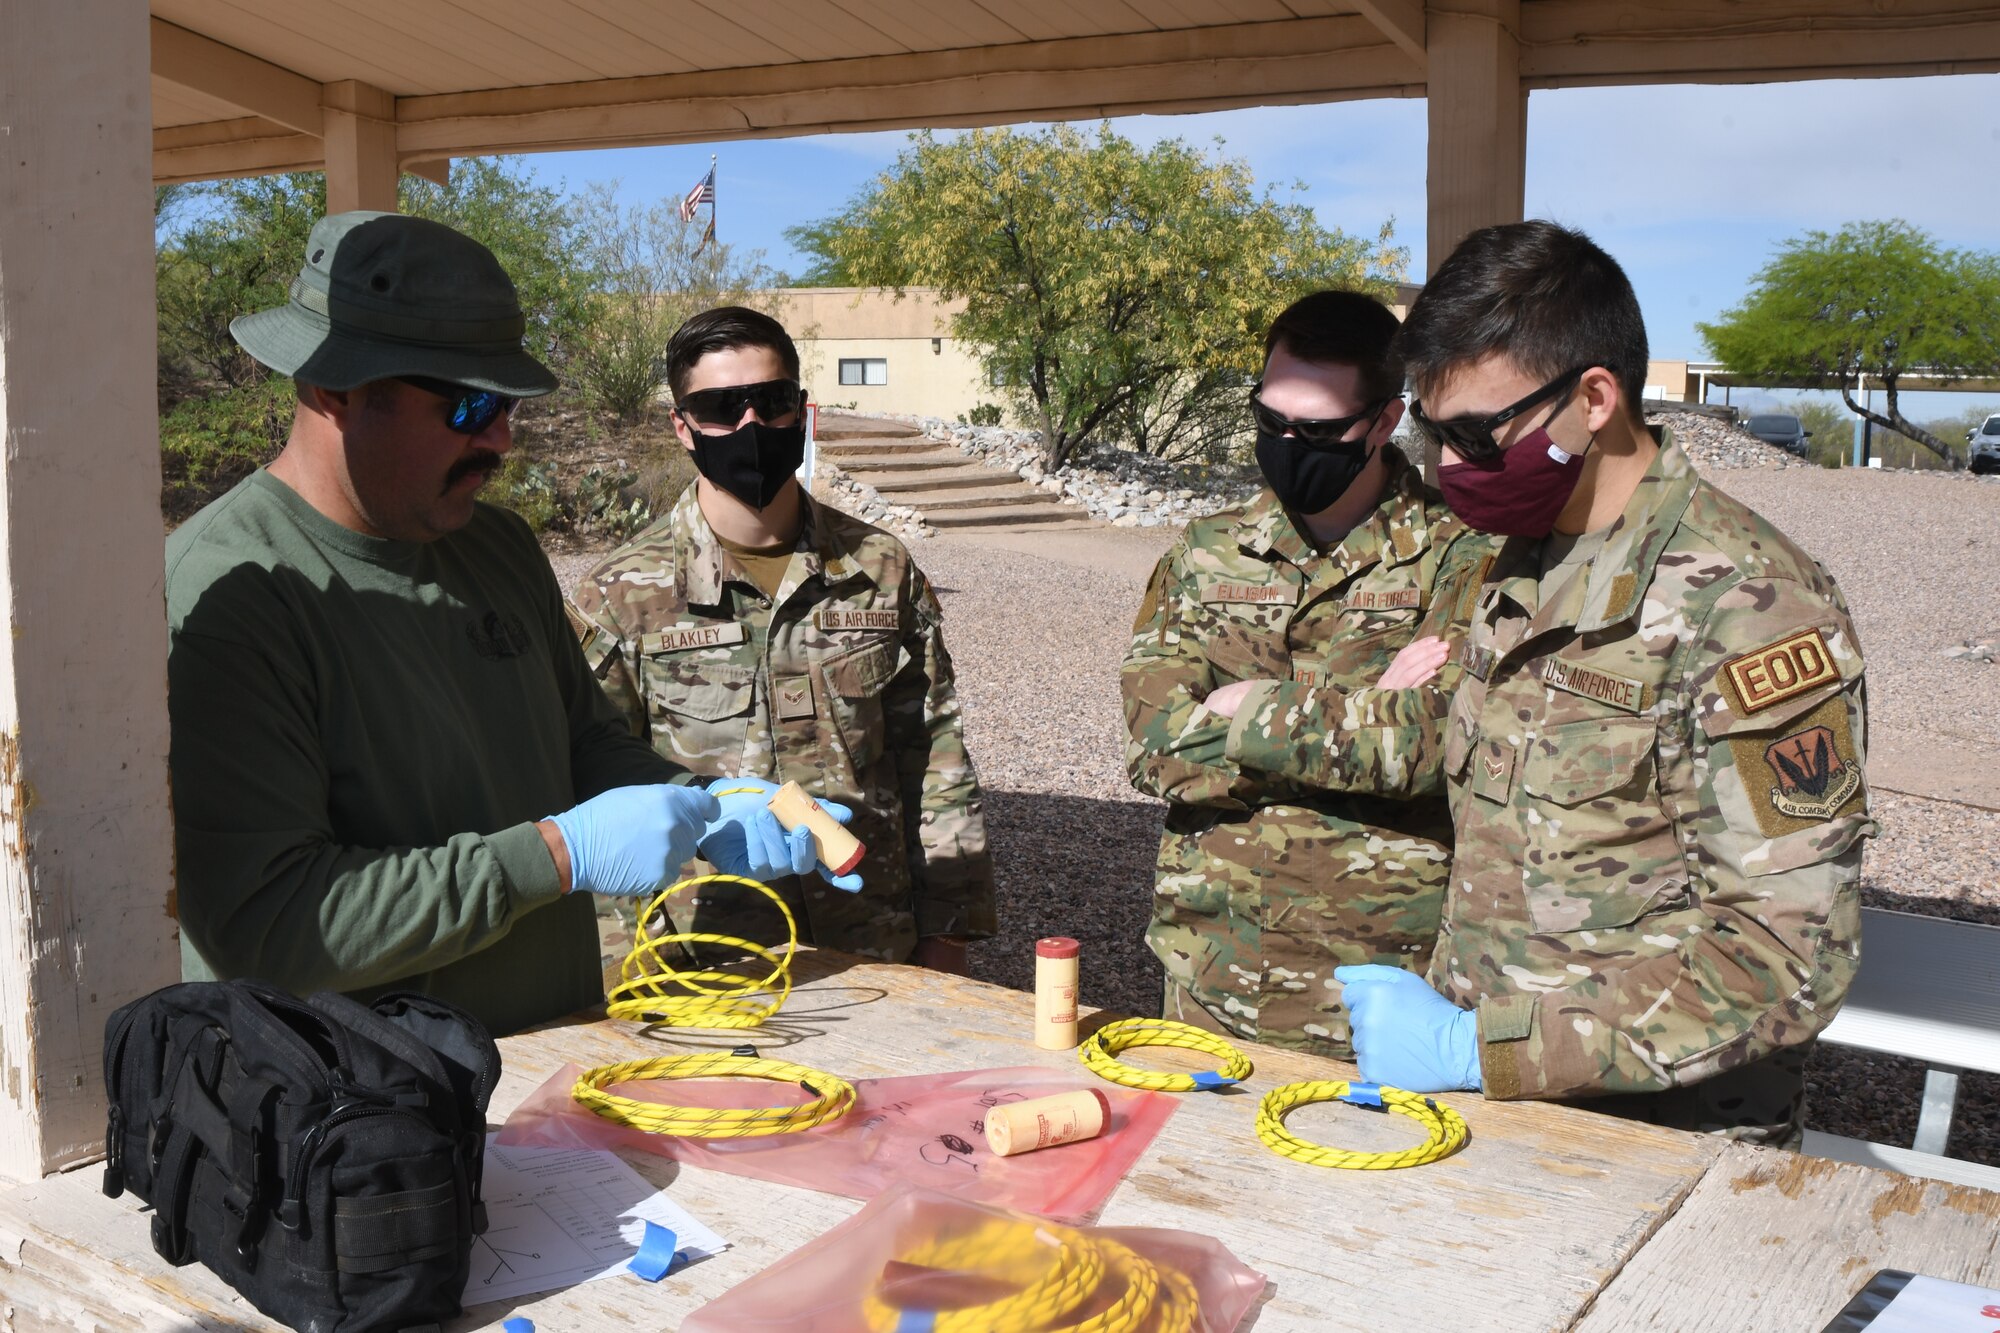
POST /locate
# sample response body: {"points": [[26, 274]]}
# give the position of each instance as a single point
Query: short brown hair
{"points": [[720, 329], [1347, 329]]}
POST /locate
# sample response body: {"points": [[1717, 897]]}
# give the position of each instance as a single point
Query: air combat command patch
{"points": [[1806, 776]]}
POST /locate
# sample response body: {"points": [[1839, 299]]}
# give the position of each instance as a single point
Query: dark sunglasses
{"points": [[472, 410], [724, 407], [1471, 438], [1329, 430]]}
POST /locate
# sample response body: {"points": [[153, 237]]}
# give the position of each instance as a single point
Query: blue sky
{"points": [[1690, 187]]}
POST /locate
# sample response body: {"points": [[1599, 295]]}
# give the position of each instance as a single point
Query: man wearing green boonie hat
{"points": [[391, 766]]}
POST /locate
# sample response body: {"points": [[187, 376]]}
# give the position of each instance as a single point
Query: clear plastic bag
{"points": [[927, 1129], [914, 1259]]}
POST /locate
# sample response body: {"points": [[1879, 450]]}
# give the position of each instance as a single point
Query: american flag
{"points": [[703, 193]]}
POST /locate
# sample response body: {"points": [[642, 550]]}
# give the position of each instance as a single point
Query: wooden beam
{"points": [[86, 840], [436, 170], [360, 147], [1402, 22], [1590, 43], [219, 149], [1247, 64], [1477, 156], [259, 87]]}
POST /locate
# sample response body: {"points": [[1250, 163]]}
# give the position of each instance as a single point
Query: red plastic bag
{"points": [[917, 1259], [928, 1129]]}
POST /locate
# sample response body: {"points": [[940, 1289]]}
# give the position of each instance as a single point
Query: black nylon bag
{"points": [[321, 1156]]}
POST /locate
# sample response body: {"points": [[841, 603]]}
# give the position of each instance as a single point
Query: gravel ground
{"points": [[1037, 624]]}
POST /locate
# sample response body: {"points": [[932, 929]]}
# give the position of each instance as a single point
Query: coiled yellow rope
{"points": [[1100, 1052], [831, 1097], [1447, 1129], [1056, 1271], [653, 989]]}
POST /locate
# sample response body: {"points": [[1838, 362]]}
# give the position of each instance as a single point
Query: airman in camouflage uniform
{"points": [[840, 682], [1655, 751], [1655, 761], [1311, 830]]}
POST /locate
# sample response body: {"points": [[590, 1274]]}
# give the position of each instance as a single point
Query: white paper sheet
{"points": [[559, 1216], [1932, 1305]]}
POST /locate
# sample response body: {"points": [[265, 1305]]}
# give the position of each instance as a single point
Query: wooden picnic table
{"points": [[1551, 1218]]}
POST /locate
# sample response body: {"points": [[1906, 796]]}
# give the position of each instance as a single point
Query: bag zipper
{"points": [[291, 1210]]}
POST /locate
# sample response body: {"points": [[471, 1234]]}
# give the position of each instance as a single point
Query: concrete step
{"points": [[875, 444], [980, 499], [1007, 515], [959, 479], [912, 462], [843, 427]]}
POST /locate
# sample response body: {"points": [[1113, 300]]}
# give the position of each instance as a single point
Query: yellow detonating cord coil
{"points": [[1099, 1054], [1446, 1126], [652, 989], [1056, 1271], [831, 1097]]}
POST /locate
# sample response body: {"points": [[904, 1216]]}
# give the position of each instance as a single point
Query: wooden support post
{"points": [[1478, 121], [85, 837], [360, 147]]}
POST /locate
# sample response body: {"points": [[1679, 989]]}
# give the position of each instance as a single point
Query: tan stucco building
{"points": [[867, 349]]}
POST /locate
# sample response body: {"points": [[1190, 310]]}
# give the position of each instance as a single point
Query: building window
{"points": [[864, 370]]}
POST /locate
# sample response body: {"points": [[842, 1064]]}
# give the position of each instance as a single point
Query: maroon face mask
{"points": [[1519, 493]]}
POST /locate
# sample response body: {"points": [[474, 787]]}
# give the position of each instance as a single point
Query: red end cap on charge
{"points": [[1056, 946], [860, 850]]}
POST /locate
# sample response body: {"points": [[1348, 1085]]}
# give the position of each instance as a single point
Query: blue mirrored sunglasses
{"points": [[472, 410]]}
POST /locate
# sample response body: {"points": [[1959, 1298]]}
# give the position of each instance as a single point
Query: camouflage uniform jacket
{"points": [[1312, 831], [1655, 764], [841, 682]]}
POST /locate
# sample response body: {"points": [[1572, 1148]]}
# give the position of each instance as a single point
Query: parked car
{"points": [[1983, 446], [1781, 429]]}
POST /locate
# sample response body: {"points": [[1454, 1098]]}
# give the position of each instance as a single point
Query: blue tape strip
{"points": [[1211, 1080], [917, 1321], [518, 1325], [657, 1253], [1363, 1094]]}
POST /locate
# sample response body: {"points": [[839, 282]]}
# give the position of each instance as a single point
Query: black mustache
{"points": [[483, 461]]}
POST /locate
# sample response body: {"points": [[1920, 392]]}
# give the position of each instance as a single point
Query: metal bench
{"points": [[1929, 990]]}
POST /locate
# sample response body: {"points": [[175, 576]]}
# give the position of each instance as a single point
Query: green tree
{"points": [[649, 271], [1112, 288], [238, 253], [1881, 299]]}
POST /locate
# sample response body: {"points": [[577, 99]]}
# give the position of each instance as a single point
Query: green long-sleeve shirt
{"points": [[364, 732]]}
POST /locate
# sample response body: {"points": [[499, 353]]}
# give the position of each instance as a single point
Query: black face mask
{"points": [[1309, 477], [752, 462]]}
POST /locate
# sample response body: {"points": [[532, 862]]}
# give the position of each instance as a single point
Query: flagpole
{"points": [[714, 194]]}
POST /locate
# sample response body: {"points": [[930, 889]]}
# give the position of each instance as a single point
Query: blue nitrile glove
{"points": [[747, 839], [631, 839], [1406, 1035]]}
